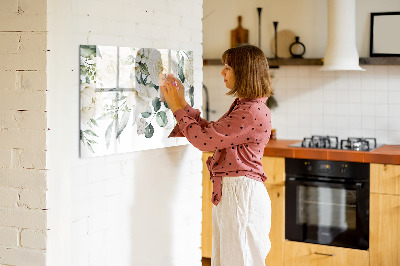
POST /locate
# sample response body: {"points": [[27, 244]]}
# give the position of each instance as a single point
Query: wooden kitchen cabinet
{"points": [[385, 215], [206, 225], [277, 233], [274, 168], [385, 178], [305, 254], [384, 236]]}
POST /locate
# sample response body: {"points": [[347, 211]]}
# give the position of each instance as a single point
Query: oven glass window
{"points": [[326, 207]]}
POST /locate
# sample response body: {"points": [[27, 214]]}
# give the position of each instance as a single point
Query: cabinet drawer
{"points": [[297, 254]]}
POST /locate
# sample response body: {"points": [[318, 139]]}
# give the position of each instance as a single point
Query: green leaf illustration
{"points": [[130, 60], [191, 95], [180, 69], [166, 105], [149, 131], [106, 115], [123, 123], [93, 122], [146, 114], [90, 147], [156, 104], [90, 132], [108, 134], [88, 50], [143, 68], [162, 119]]}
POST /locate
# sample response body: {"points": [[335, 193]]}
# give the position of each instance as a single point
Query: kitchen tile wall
{"points": [[341, 103]]}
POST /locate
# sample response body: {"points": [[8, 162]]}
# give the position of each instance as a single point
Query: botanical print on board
{"points": [[121, 106]]}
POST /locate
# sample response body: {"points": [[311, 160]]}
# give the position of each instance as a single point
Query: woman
{"points": [[242, 211]]}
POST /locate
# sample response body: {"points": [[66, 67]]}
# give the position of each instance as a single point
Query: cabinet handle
{"points": [[324, 254]]}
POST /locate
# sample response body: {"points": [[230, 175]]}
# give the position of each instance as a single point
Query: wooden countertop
{"points": [[389, 154]]}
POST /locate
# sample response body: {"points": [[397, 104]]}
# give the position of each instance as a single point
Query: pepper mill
{"points": [[276, 38], [259, 26]]}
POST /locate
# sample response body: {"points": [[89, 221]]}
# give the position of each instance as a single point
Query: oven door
{"points": [[327, 213]]}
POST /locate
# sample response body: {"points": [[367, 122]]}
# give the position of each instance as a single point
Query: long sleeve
{"points": [[231, 130], [193, 113]]}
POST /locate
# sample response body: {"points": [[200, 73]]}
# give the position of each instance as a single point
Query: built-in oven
{"points": [[327, 202]]}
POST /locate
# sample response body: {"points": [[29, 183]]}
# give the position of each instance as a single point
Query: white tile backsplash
{"points": [[394, 97], [345, 103], [394, 110]]}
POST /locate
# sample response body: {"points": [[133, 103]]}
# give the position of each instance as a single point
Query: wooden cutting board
{"points": [[239, 35]]}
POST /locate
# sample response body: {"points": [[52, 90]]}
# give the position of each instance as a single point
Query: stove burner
{"points": [[358, 144], [332, 142], [328, 142]]}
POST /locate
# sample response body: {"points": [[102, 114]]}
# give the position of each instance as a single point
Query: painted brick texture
{"points": [[23, 126]]}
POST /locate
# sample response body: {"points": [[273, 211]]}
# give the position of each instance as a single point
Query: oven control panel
{"points": [[337, 169]]}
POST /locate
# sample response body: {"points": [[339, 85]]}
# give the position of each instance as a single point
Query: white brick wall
{"points": [[141, 208], [23, 128]]}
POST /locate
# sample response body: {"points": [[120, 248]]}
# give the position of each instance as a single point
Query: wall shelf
{"points": [[274, 63], [380, 61]]}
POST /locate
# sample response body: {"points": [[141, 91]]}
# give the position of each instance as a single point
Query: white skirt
{"points": [[241, 223]]}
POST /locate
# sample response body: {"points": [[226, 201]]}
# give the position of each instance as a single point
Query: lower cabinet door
{"points": [[298, 254], [384, 226], [277, 233], [206, 232]]}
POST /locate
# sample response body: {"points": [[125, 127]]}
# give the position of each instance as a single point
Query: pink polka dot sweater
{"points": [[238, 139]]}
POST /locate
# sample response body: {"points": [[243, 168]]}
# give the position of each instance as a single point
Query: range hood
{"points": [[341, 51]]}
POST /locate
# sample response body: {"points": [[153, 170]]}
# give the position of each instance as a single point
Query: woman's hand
{"points": [[174, 92], [181, 90]]}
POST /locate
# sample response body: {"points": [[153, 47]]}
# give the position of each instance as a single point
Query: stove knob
{"points": [[343, 168], [308, 166]]}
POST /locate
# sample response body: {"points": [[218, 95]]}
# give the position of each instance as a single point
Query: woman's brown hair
{"points": [[250, 66]]}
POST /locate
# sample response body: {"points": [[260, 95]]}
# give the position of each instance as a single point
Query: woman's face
{"points": [[229, 76]]}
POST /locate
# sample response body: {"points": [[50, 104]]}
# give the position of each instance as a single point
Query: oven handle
{"points": [[357, 185]]}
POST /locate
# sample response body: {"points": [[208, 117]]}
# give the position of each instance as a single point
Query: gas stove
{"points": [[332, 142]]}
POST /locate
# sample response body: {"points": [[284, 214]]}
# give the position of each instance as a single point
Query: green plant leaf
{"points": [[146, 114], [156, 104], [149, 131], [162, 119], [90, 132], [108, 134], [122, 124]]}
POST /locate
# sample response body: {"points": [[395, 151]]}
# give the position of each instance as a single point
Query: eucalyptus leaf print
{"points": [[121, 106], [156, 104], [149, 131], [122, 124], [162, 119]]}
